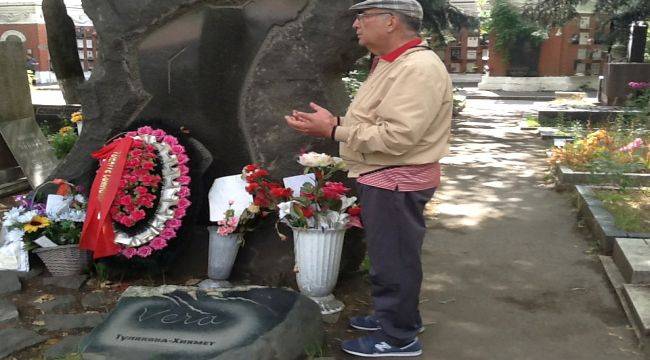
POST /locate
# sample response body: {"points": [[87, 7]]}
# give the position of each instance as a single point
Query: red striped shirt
{"points": [[404, 178]]}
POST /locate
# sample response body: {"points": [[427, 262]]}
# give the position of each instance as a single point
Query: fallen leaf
{"points": [[52, 341], [44, 298], [38, 323]]}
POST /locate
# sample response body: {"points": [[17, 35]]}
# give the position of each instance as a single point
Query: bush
{"points": [[63, 141]]}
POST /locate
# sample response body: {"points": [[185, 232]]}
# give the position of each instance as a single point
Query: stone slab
{"points": [[73, 282], [567, 176], [60, 303], [16, 339], [632, 256], [18, 125], [68, 345], [9, 282], [72, 321], [94, 300], [616, 280], [171, 322], [8, 311], [639, 299], [600, 221]]}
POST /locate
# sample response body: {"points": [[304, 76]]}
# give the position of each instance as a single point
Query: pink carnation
{"points": [[159, 134], [131, 133], [183, 169], [158, 243], [184, 191], [129, 252], [173, 223], [184, 180], [145, 130], [182, 159], [637, 143], [170, 140], [168, 233], [225, 230], [179, 213], [183, 203], [233, 221], [178, 149], [144, 251]]}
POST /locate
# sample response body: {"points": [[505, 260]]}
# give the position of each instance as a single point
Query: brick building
{"points": [[23, 21]]}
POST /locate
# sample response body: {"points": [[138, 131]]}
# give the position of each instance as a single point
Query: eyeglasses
{"points": [[361, 16]]}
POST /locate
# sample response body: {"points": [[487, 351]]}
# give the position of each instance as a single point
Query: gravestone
{"points": [[17, 124], [171, 322], [227, 71]]}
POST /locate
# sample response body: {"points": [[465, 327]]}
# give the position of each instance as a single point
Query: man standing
{"points": [[391, 138]]}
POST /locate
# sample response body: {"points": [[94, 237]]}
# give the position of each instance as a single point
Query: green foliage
{"points": [[62, 142], [629, 208], [511, 28], [314, 351], [440, 15], [62, 232], [531, 121]]}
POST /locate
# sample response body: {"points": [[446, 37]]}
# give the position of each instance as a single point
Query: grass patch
{"points": [[531, 121], [630, 208]]}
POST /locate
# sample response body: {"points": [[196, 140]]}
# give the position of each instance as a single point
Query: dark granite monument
{"points": [[226, 71], [186, 323]]}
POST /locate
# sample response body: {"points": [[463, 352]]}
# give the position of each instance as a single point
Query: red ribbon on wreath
{"points": [[97, 234]]}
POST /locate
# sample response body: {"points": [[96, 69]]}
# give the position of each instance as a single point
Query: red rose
{"points": [[307, 211], [251, 167], [252, 187], [280, 192], [354, 211]]}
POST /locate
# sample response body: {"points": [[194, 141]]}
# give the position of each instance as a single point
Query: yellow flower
{"points": [[37, 222], [76, 117], [66, 129]]}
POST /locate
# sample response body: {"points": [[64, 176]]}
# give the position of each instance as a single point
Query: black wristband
{"points": [[333, 132], [338, 121]]}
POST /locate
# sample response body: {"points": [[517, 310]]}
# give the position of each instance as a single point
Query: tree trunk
{"points": [[62, 44]]}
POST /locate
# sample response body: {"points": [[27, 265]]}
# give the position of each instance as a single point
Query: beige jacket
{"points": [[401, 115]]}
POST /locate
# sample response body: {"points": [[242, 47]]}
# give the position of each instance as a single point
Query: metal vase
{"points": [[318, 257], [222, 253]]}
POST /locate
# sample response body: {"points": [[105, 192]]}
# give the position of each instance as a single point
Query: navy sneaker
{"points": [[369, 323], [369, 346]]}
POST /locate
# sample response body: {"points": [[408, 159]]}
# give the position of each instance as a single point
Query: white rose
{"points": [[11, 217], [314, 159], [346, 202], [284, 209], [339, 163]]}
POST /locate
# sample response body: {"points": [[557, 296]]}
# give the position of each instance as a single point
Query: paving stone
{"points": [[638, 297], [60, 303], [55, 322], [94, 300], [68, 345], [16, 339], [73, 282], [9, 282], [25, 275], [632, 256], [8, 311], [171, 322]]}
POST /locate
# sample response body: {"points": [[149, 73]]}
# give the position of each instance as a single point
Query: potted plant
{"points": [[319, 217], [237, 204], [51, 229]]}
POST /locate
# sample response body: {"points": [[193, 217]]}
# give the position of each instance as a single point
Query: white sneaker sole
{"points": [[402, 354]]}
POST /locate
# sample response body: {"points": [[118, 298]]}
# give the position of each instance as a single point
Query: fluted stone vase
{"points": [[222, 253], [318, 257]]}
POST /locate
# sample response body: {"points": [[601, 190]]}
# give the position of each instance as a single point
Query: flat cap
{"points": [[410, 8]]}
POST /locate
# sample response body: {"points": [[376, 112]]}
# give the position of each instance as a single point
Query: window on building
{"points": [[80, 43]]}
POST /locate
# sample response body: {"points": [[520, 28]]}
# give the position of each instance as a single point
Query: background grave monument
{"points": [[18, 127], [227, 72]]}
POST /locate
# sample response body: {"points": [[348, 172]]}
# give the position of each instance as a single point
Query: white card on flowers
{"points": [[296, 182], [55, 204], [225, 190], [45, 242]]}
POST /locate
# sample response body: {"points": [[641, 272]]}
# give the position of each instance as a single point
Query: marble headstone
{"points": [[171, 322], [17, 123]]}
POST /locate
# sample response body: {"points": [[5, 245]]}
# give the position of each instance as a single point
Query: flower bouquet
{"points": [[319, 215], [237, 204], [51, 229]]}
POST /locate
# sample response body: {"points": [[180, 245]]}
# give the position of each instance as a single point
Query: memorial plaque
{"points": [[471, 54], [472, 41], [585, 22], [584, 38], [180, 322], [582, 54], [17, 123]]}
